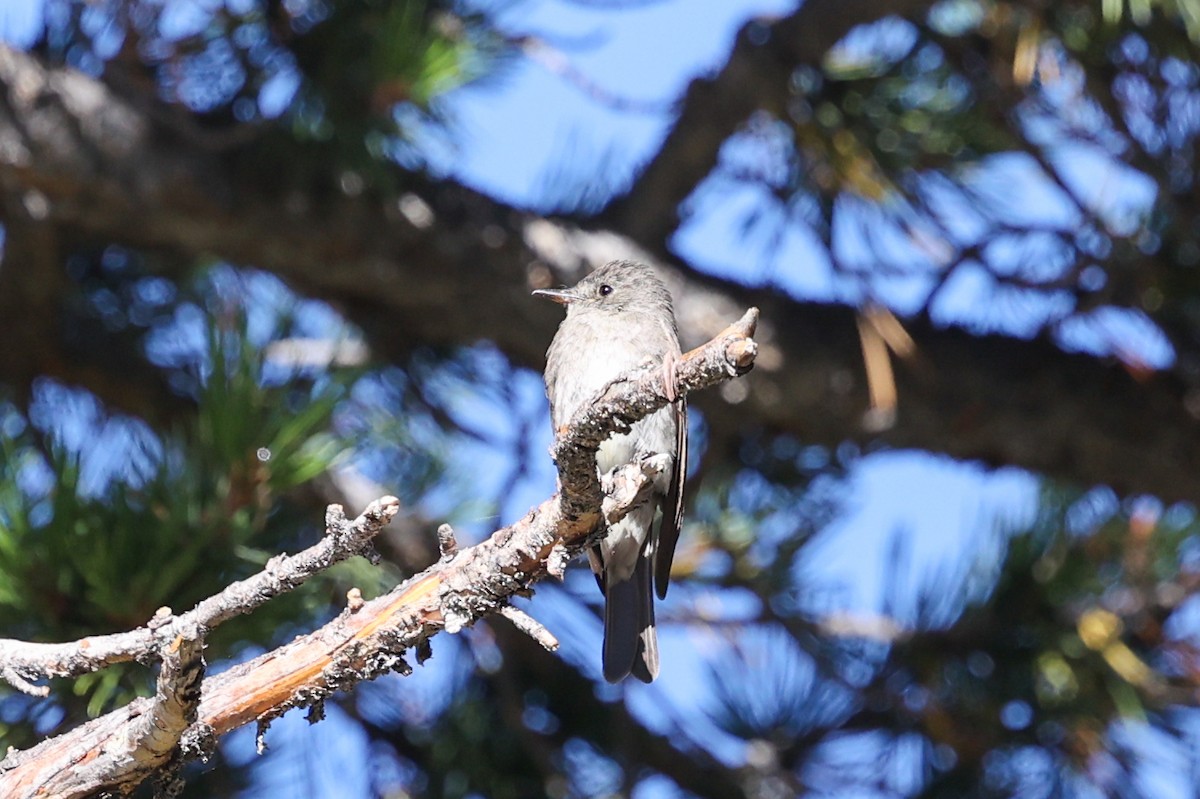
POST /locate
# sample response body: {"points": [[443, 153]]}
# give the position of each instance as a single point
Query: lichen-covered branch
{"points": [[373, 638], [150, 742]]}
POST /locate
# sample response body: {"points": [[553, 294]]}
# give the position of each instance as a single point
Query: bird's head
{"points": [[616, 287]]}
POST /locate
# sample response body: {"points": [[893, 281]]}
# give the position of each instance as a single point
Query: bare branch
{"points": [[151, 742], [118, 751], [22, 660]]}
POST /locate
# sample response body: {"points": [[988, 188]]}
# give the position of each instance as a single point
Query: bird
{"points": [[618, 318]]}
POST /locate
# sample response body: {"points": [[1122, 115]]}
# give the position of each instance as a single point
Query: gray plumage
{"points": [[619, 317]]}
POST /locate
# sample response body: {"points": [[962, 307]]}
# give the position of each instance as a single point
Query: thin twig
{"points": [[531, 627], [447, 543]]}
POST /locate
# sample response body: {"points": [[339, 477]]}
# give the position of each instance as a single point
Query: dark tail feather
{"points": [[645, 663], [630, 644]]}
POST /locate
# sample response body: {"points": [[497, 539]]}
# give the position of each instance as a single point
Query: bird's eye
{"points": [[605, 290]]}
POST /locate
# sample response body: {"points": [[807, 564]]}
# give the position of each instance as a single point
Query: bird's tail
{"points": [[630, 643]]}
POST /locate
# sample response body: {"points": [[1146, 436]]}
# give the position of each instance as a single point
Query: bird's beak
{"points": [[561, 296]]}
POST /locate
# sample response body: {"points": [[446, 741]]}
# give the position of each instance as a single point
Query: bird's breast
{"points": [[589, 354]]}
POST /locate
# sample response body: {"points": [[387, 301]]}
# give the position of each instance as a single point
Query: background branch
{"points": [[990, 398]]}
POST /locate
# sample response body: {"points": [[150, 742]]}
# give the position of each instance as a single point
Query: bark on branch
{"points": [[21, 661], [368, 639]]}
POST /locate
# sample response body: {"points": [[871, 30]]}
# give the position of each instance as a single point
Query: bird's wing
{"points": [[596, 561], [668, 531]]}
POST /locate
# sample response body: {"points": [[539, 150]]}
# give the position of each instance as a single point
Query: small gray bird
{"points": [[620, 317]]}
